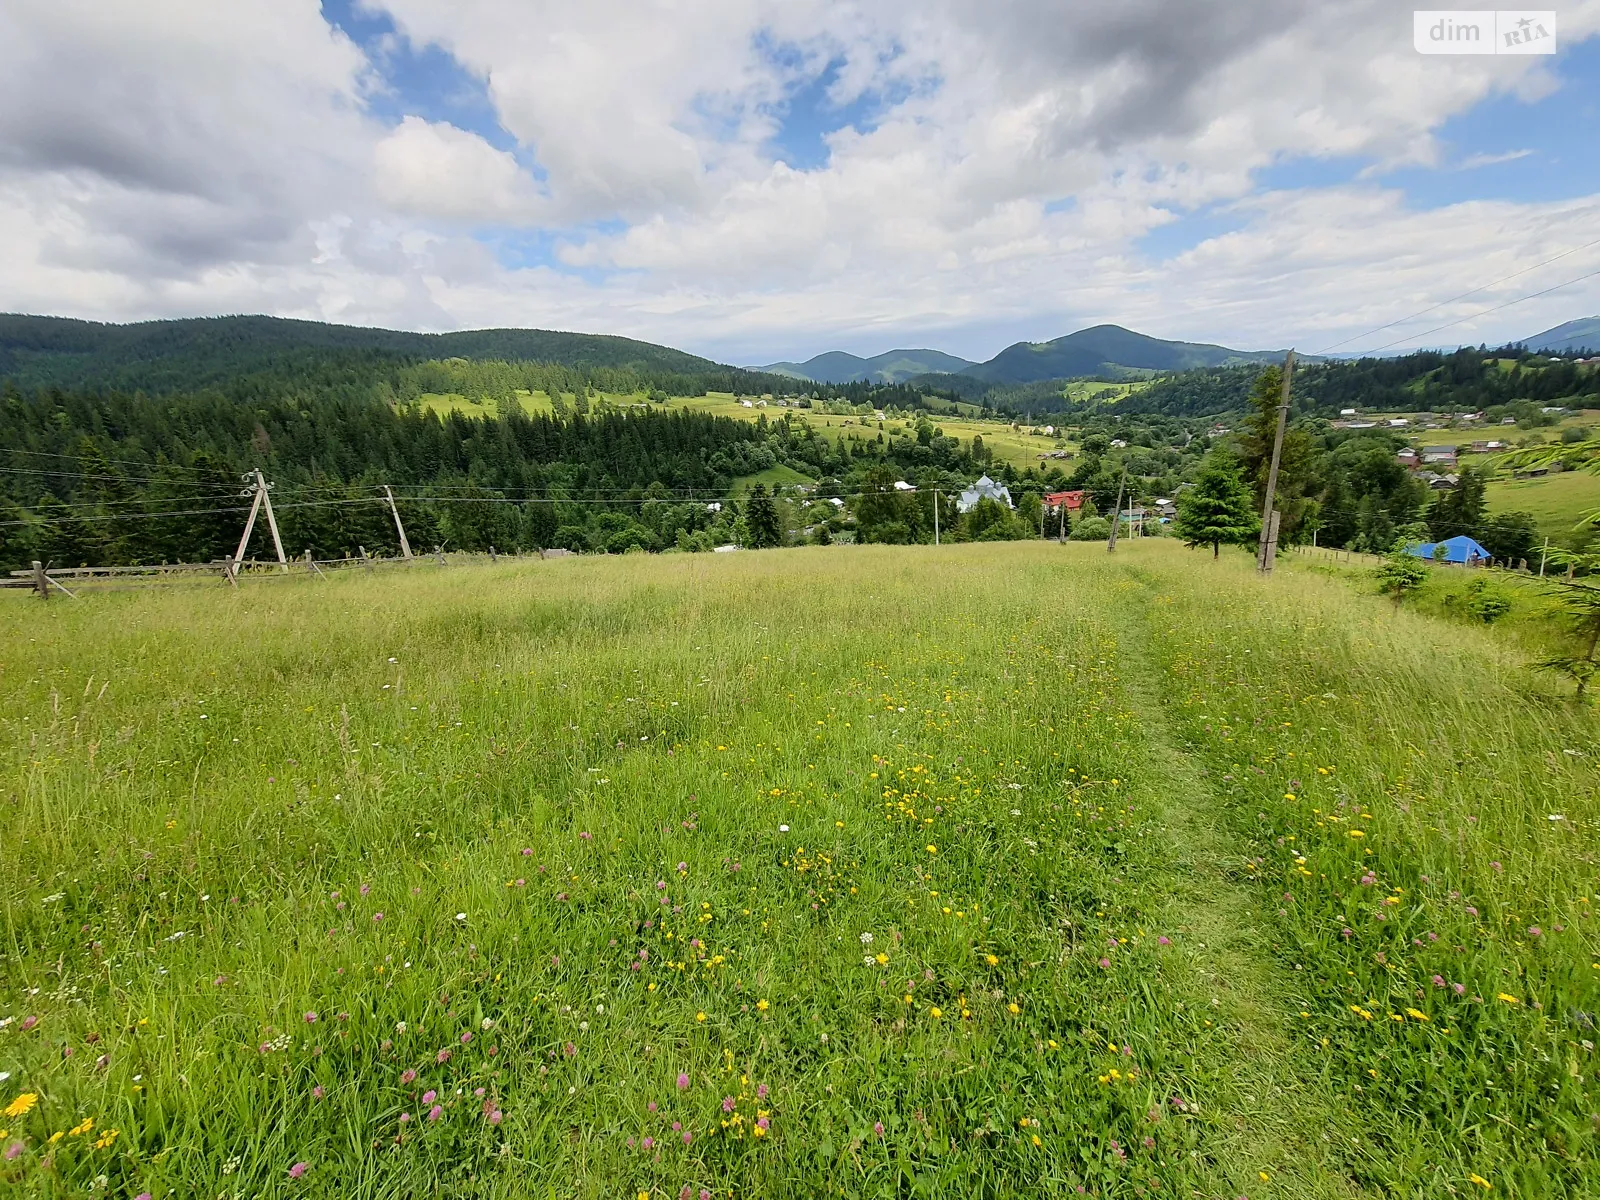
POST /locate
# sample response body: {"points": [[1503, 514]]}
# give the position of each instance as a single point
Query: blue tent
{"points": [[1456, 550]]}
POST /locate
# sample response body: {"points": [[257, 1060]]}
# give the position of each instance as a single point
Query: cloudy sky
{"points": [[763, 179]]}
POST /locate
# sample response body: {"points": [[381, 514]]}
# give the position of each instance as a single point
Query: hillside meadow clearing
{"points": [[989, 870], [1019, 446]]}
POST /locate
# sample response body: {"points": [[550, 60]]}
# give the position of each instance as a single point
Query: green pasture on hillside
{"points": [[1559, 502], [995, 870]]}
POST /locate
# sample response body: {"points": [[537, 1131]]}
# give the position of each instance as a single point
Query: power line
{"points": [[127, 462], [442, 500], [1462, 296], [1487, 311]]}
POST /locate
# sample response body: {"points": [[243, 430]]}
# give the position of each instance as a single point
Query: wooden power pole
{"points": [[1116, 517], [1267, 551], [405, 546]]}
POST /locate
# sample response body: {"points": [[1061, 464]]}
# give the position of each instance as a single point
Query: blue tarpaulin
{"points": [[1457, 550]]}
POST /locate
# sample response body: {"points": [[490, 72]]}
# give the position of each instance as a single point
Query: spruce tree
{"points": [[1218, 508]]}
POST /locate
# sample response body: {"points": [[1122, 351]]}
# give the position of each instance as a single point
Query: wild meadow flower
{"points": [[683, 1081], [727, 1104], [311, 1018], [22, 1105], [435, 1112], [405, 1118], [648, 1143], [408, 1076], [317, 1092], [442, 1057], [13, 1151], [299, 1169], [496, 1117], [366, 888], [429, 1096]]}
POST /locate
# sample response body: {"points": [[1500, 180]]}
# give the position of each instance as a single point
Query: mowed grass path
{"points": [[981, 871]]}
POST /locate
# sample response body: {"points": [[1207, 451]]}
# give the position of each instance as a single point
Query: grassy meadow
{"points": [[1018, 446], [982, 871]]}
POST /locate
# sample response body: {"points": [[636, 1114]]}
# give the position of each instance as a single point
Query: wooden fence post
{"points": [[439, 550], [366, 559], [40, 580], [492, 558]]}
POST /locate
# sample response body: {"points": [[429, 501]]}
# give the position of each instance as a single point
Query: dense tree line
{"points": [[94, 477], [1467, 380]]}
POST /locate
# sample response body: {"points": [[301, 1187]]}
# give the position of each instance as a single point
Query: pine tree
{"points": [[1218, 508], [761, 518]]}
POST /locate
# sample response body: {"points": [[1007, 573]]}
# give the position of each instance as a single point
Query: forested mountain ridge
{"points": [[230, 352], [1105, 350]]}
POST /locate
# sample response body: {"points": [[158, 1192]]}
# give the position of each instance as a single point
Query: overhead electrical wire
{"points": [[1483, 288]]}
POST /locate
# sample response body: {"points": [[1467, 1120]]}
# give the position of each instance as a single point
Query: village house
{"points": [[1073, 501], [1438, 456], [1407, 457]]}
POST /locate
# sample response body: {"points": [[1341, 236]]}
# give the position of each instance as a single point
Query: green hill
{"points": [[892, 366], [1582, 334], [1106, 350], [181, 354]]}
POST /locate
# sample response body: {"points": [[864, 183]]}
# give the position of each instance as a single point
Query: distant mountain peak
{"points": [[1109, 350], [892, 366]]}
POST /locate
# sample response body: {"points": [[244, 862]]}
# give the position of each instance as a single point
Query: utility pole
{"points": [[405, 546], [259, 489], [265, 491], [244, 540], [1116, 517], [1061, 515], [1268, 549], [935, 516]]}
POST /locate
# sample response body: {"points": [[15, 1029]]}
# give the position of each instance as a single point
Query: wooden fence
{"points": [[70, 581]]}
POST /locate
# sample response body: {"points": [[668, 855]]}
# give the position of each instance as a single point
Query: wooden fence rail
{"points": [[44, 580]]}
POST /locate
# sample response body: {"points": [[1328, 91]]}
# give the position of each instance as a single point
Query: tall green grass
{"points": [[857, 872]]}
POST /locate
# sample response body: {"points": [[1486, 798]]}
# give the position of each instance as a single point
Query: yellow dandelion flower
{"points": [[22, 1104], [932, 849], [882, 958], [1415, 1015], [1013, 1008], [1356, 833], [106, 1139], [82, 1127], [1480, 1181], [1507, 999], [759, 1132], [762, 1006], [1263, 1176], [1036, 1140], [935, 1013], [991, 960], [57, 1136]]}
